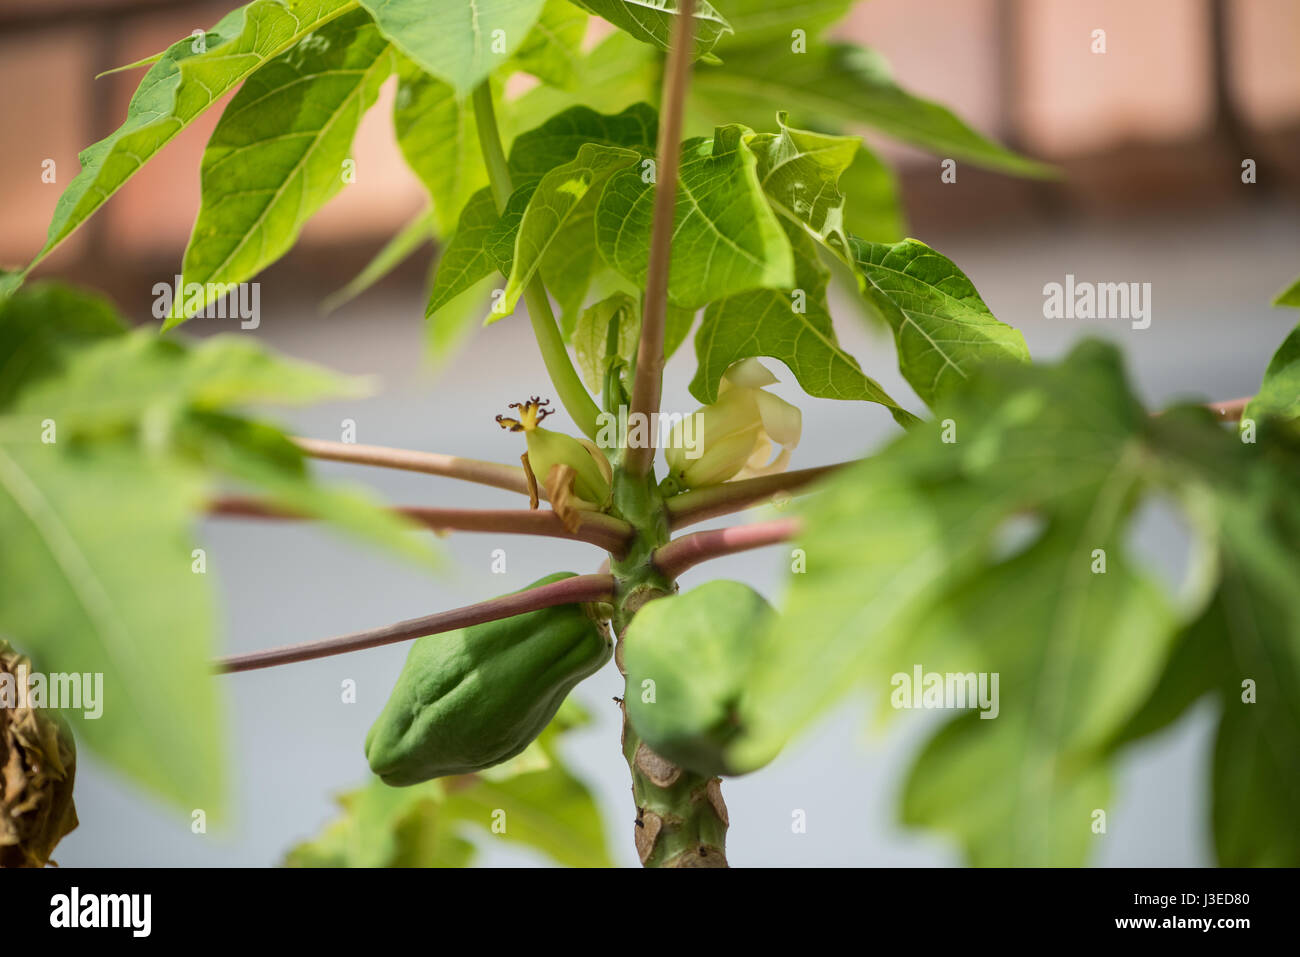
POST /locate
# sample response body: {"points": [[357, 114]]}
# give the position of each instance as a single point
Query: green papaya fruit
{"points": [[469, 699], [687, 657]]}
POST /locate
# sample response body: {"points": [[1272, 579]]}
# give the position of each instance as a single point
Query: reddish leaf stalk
{"points": [[582, 588], [508, 477], [698, 505], [690, 550], [605, 531]]}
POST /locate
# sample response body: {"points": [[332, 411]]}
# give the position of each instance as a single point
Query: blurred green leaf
{"points": [[840, 83], [1245, 646], [1290, 296], [874, 210], [911, 561], [995, 543], [548, 810], [438, 138], [463, 43], [32, 346], [532, 800], [619, 70], [759, 22], [455, 322], [1279, 393], [386, 827], [1076, 652], [95, 578], [110, 448], [552, 51]]}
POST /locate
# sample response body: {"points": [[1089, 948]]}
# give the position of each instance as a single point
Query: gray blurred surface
{"points": [[294, 743]]}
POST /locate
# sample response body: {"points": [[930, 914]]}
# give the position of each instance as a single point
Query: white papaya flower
{"points": [[736, 435]]}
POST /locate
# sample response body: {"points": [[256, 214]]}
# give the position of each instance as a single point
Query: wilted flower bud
{"points": [[547, 450], [38, 762], [736, 434]]}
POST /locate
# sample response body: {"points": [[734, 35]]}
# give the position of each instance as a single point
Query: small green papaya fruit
{"points": [[470, 699], [687, 657]]}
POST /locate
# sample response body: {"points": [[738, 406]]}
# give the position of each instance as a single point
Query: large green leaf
{"points": [[570, 264], [652, 21], [552, 51], [277, 154], [844, 84], [556, 141], [792, 325], [188, 78], [460, 42], [864, 592], [800, 173], [485, 241], [941, 326], [558, 195], [726, 239], [437, 136]]}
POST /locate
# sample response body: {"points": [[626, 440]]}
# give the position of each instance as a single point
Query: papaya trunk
{"points": [[681, 820]]}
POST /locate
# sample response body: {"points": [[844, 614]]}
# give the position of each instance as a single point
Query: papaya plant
{"points": [[696, 170]]}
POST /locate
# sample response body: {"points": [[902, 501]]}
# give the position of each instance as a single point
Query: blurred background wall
{"points": [[1150, 136], [1185, 87]]}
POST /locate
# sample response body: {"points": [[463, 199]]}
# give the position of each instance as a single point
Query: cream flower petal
{"points": [[749, 374], [781, 420]]}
